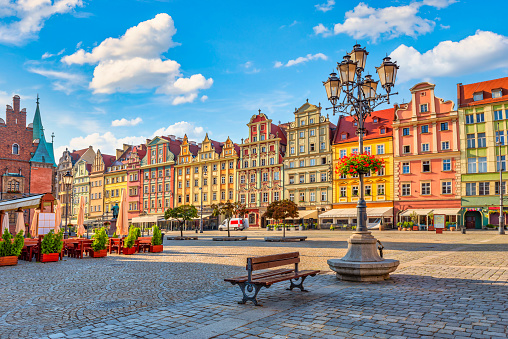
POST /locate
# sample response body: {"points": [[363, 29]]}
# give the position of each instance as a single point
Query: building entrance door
{"points": [[473, 220]]}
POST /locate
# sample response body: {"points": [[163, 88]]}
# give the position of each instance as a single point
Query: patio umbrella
{"points": [[5, 222], [58, 216], [122, 221], [20, 223], [35, 224], [81, 217]]}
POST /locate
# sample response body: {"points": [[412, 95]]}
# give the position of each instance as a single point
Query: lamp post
{"points": [[500, 165], [201, 210], [67, 181], [359, 100]]}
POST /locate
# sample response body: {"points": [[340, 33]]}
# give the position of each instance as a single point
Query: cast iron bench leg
{"points": [[250, 292], [300, 285]]}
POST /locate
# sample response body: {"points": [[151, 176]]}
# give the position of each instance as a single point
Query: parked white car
{"points": [[235, 224]]}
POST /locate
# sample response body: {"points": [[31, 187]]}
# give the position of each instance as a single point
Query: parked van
{"points": [[234, 224]]}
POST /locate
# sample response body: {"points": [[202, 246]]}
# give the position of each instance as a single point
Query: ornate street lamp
{"points": [[359, 100], [67, 181]]}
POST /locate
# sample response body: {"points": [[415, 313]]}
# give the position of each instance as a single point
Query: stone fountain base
{"points": [[362, 262]]}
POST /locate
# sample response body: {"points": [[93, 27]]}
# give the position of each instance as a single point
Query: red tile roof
{"points": [[347, 127], [465, 92], [217, 145], [108, 160]]}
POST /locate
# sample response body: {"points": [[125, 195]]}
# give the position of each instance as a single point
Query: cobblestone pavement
{"points": [[448, 285]]}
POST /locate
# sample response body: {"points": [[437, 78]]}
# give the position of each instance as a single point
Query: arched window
{"points": [[15, 149]]}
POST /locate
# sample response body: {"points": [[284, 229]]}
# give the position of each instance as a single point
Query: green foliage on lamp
{"points": [[9, 248], [100, 239], [52, 243], [157, 236], [358, 163]]}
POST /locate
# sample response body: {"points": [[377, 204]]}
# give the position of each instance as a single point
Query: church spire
{"points": [[38, 130]]}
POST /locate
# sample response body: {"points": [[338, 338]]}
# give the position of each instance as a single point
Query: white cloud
{"points": [[450, 58], [326, 6], [29, 17], [367, 22], [204, 98], [133, 63], [46, 55], [300, 60], [108, 142], [62, 81], [249, 68], [125, 122]]}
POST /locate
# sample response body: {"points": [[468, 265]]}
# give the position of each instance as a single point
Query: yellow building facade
{"points": [[115, 180]]}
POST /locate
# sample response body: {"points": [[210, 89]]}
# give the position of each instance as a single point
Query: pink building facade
{"points": [[426, 157], [134, 178]]}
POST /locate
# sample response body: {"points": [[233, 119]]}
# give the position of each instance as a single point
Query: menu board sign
{"points": [[439, 220]]}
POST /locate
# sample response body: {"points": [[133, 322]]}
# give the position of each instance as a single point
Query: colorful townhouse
{"points": [[97, 185], [80, 187], [308, 162], [210, 178], [134, 179], [378, 186], [260, 176], [186, 173], [426, 157], [483, 116], [157, 168], [115, 180]]}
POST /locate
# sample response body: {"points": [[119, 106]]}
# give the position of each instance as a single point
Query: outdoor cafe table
{"points": [[144, 244]]}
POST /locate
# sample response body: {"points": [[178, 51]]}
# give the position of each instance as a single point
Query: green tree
{"points": [[229, 210], [280, 210], [182, 214]]}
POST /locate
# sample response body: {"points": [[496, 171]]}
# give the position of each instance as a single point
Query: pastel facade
{"points": [[483, 116], [260, 177], [426, 157], [80, 186], [97, 184], [308, 161], [186, 173], [134, 178], [115, 180]]}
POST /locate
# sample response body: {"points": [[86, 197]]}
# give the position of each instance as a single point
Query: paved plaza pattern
{"points": [[447, 286]]}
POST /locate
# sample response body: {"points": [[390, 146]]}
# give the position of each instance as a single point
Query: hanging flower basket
{"points": [[358, 163]]}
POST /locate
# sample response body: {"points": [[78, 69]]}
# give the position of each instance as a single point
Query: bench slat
{"points": [[274, 257], [270, 264], [259, 275], [278, 278]]}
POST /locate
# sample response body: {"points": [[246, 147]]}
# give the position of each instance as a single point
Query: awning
{"points": [[204, 216], [352, 212], [446, 211], [147, 218], [24, 203], [307, 214], [424, 211]]}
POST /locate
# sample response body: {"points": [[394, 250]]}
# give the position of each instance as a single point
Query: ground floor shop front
{"points": [[421, 212], [481, 212], [346, 215]]}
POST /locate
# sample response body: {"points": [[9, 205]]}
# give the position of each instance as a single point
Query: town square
{"points": [[253, 170]]}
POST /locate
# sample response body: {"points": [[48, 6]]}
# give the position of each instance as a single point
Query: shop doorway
{"points": [[473, 220]]}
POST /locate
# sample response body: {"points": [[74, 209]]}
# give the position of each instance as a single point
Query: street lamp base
{"points": [[362, 262]]}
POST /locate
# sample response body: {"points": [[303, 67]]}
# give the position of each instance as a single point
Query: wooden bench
{"points": [[144, 243], [252, 283]]}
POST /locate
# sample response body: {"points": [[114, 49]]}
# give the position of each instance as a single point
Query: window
{"points": [[425, 188], [343, 192], [471, 141], [497, 93], [503, 163], [498, 115], [323, 177], [276, 196], [470, 119], [342, 153], [312, 178], [302, 149], [230, 179], [302, 178], [254, 139], [254, 151], [214, 196], [292, 196], [222, 180], [252, 178], [368, 190], [482, 141], [265, 176], [242, 198], [483, 188], [292, 150], [446, 187], [354, 191], [302, 163], [500, 138], [471, 165], [253, 198], [503, 187], [354, 150], [405, 131], [447, 165], [15, 149], [406, 149], [276, 176], [478, 96], [406, 189], [425, 147], [205, 181], [471, 188], [311, 121], [381, 189], [480, 117], [291, 164], [405, 168], [230, 195], [312, 162], [302, 134], [231, 165], [242, 179], [245, 164], [482, 165], [253, 163], [444, 126], [312, 147], [262, 137], [367, 150], [381, 171], [323, 161], [302, 196], [382, 130], [302, 122], [424, 108], [426, 166], [322, 145], [272, 161], [323, 195], [380, 149], [445, 145], [312, 132]]}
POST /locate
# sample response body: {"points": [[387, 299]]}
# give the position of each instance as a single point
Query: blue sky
{"points": [[113, 71]]}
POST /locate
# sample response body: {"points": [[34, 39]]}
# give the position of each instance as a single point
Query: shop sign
{"points": [[478, 209], [439, 220]]}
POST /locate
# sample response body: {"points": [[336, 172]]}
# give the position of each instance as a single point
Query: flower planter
{"points": [[50, 257], [156, 248], [452, 228], [415, 228], [129, 251], [400, 228], [98, 254], [431, 228], [9, 261]]}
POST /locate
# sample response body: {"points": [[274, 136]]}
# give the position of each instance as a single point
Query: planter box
{"points": [[416, 228], [439, 231], [98, 254], [129, 251], [50, 257], [9, 261], [156, 248]]}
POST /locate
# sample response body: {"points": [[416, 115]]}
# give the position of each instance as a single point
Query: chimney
{"points": [[15, 101]]}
